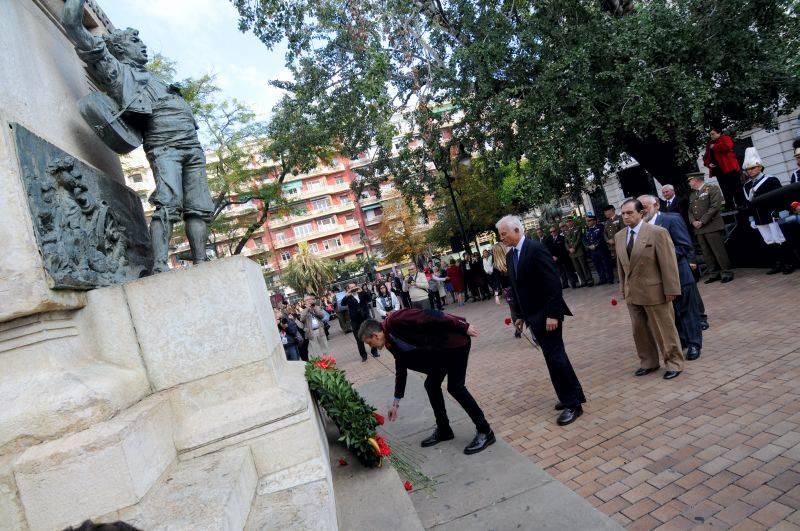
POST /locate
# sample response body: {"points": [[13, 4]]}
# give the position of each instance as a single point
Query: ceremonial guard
{"points": [[574, 239], [594, 240], [764, 218], [705, 215]]}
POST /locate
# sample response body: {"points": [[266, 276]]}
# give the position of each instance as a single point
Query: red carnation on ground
{"points": [[378, 417], [408, 486], [342, 462], [613, 301], [508, 321]]}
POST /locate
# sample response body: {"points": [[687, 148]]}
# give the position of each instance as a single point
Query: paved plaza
{"points": [[719, 446]]}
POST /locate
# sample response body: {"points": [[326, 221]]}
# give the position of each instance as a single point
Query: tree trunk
{"points": [[662, 161]]}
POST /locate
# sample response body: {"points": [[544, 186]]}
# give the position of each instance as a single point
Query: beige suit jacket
{"points": [[651, 273]]}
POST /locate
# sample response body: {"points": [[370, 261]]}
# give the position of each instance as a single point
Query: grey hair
{"points": [[512, 222], [668, 187], [649, 198]]}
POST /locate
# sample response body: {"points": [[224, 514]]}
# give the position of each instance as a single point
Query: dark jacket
{"points": [[679, 205], [537, 285], [358, 309], [557, 247], [762, 215], [423, 340], [684, 249]]}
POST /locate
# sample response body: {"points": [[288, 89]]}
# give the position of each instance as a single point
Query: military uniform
{"points": [[574, 240], [705, 206], [594, 241]]}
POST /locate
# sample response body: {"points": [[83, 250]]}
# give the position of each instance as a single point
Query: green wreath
{"points": [[355, 419]]}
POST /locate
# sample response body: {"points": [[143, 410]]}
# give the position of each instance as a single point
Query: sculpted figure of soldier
{"points": [[141, 108]]}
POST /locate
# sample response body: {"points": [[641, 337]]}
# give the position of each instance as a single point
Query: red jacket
{"points": [[724, 156], [422, 341]]}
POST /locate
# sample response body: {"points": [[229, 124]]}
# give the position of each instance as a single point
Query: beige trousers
{"points": [[653, 331]]}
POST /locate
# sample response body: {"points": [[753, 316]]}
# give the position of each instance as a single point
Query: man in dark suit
{"points": [[687, 306], [673, 203], [358, 304], [557, 246], [537, 295], [436, 344]]}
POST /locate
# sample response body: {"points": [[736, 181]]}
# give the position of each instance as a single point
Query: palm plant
{"points": [[307, 273]]}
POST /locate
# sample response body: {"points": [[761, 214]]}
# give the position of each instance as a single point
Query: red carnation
{"points": [[408, 486], [613, 301], [508, 321], [378, 417], [342, 462], [383, 447]]}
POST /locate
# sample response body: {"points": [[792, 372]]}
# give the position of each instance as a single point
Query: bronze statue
{"points": [[138, 107]]}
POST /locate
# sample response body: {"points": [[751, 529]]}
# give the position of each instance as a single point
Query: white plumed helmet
{"points": [[751, 159]]}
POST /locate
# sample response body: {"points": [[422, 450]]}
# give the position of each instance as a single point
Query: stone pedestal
{"points": [[185, 412]]}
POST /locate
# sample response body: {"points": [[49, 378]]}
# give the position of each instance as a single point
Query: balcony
{"points": [[335, 251], [373, 221], [319, 191], [311, 214], [314, 234], [247, 251]]}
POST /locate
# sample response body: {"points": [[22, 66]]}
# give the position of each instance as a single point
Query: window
{"points": [[349, 219], [339, 180], [326, 223], [313, 185], [340, 260], [136, 178], [344, 199], [291, 190], [320, 204], [286, 256], [333, 243], [302, 230], [364, 195], [370, 215], [280, 237], [313, 248]]}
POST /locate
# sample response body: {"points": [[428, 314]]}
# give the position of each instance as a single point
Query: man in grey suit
{"points": [[687, 306], [648, 273]]}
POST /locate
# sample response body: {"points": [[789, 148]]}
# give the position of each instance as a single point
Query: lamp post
{"points": [[449, 184]]}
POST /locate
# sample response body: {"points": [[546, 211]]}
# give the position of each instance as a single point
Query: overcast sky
{"points": [[202, 36]]}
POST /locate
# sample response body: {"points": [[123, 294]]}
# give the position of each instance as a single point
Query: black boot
{"points": [[439, 435]]}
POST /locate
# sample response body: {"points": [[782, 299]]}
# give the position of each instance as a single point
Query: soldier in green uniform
{"points": [[705, 215], [612, 225], [577, 253]]}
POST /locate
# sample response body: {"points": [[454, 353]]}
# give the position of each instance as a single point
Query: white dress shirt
{"points": [[635, 230]]}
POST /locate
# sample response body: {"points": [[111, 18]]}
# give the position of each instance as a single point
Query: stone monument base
{"points": [[172, 407]]}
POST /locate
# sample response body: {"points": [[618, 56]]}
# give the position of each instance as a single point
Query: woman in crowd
{"points": [[441, 277], [504, 289], [457, 280], [386, 302]]}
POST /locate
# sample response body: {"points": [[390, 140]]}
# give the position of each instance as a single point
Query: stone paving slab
{"points": [[495, 489], [717, 447]]}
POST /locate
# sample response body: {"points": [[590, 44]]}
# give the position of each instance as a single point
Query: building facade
{"points": [[322, 212]]}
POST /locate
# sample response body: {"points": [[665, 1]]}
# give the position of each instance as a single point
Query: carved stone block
{"points": [[90, 229]]}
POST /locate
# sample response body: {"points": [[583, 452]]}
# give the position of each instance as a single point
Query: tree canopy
{"points": [[569, 86]]}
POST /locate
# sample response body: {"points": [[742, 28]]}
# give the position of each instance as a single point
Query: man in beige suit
{"points": [[648, 273]]}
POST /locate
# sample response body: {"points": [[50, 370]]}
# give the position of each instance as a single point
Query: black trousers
{"points": [[456, 373], [562, 375], [434, 300], [362, 350], [567, 273], [687, 316]]}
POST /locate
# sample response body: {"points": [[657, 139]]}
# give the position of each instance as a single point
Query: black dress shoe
{"points": [[774, 271], [569, 415], [437, 437], [669, 375], [559, 406], [704, 324], [788, 269], [480, 443], [727, 279], [642, 372], [376, 355], [363, 360], [693, 353], [712, 279]]}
